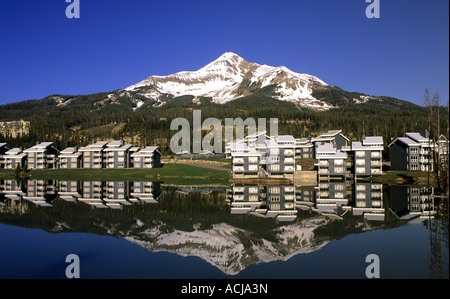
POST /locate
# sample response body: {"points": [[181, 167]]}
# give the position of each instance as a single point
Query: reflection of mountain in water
{"points": [[230, 229]]}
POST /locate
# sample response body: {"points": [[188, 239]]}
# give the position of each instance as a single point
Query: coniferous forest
{"points": [[78, 120]]}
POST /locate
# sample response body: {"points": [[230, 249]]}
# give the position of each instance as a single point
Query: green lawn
{"points": [[171, 174]]}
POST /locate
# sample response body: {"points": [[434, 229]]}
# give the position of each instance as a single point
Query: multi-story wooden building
{"points": [[414, 152], [70, 158], [93, 155], [367, 156], [41, 156]]}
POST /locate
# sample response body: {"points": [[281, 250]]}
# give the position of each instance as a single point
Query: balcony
{"points": [[238, 169], [238, 161], [289, 153], [289, 160]]}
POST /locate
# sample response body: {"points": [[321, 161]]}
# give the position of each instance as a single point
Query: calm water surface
{"points": [[148, 230]]}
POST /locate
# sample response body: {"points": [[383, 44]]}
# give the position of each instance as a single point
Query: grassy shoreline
{"points": [[182, 174]]}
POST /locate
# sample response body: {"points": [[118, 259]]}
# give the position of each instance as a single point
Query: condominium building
{"points": [[245, 160], [117, 154], [42, 155], [14, 157], [70, 158], [93, 155], [3, 150], [331, 162], [367, 156], [414, 152], [147, 157], [331, 137], [272, 156], [304, 148]]}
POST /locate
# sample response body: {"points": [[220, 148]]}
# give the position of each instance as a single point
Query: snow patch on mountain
{"points": [[223, 245], [225, 79]]}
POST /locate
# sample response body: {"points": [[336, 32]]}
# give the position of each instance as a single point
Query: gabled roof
{"points": [[417, 137], [39, 147], [405, 140], [14, 151], [373, 140], [329, 152]]}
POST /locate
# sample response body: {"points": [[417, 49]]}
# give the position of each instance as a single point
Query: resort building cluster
{"points": [[255, 156], [260, 155], [99, 154]]}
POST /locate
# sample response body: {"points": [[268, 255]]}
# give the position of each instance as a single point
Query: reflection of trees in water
{"points": [[439, 241]]}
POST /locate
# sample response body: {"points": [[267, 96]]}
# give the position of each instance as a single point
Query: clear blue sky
{"points": [[117, 43]]}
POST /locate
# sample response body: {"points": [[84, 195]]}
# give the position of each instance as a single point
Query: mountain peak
{"points": [[230, 77]]}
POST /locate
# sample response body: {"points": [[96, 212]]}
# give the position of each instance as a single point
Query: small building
{"points": [[70, 158], [93, 154], [304, 148], [41, 156], [117, 154], [3, 150], [367, 156], [332, 137], [147, 157], [280, 156], [331, 161], [245, 160], [414, 152], [14, 157]]}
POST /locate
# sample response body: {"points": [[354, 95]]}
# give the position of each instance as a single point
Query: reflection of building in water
{"points": [[369, 200], [12, 189], [69, 190], [409, 202], [246, 198], [95, 193], [145, 191], [333, 197], [40, 192], [267, 201], [281, 202], [304, 197], [92, 193], [117, 194]]}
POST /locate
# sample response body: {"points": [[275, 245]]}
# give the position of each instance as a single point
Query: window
{"points": [[253, 159], [253, 190], [339, 187], [360, 153], [274, 159], [338, 169], [275, 198], [360, 162], [275, 151], [253, 167], [339, 195], [275, 167], [338, 162], [275, 189], [253, 198], [360, 170]]}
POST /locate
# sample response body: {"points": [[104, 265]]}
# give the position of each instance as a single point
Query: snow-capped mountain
{"points": [[222, 246], [230, 77]]}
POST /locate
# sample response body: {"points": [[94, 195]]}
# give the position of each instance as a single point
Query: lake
{"points": [[150, 230]]}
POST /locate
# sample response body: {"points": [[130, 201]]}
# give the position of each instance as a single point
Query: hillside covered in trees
{"points": [[77, 120]]}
